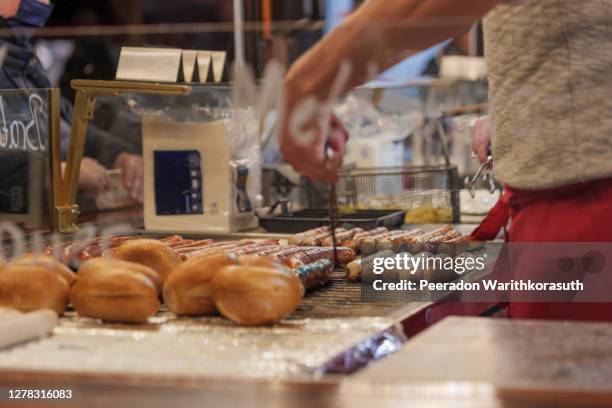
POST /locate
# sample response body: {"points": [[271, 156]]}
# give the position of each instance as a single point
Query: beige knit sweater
{"points": [[550, 74]]}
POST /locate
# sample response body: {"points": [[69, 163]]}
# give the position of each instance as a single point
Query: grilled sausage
{"points": [[317, 240], [205, 246], [358, 238], [432, 244], [297, 239], [315, 274], [369, 245], [229, 245], [366, 272], [172, 239], [345, 255], [246, 249], [288, 254], [342, 236], [353, 242], [400, 242], [187, 245], [417, 244], [264, 250], [455, 246], [353, 270]]}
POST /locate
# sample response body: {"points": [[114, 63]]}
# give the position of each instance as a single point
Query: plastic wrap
{"points": [[219, 143]]}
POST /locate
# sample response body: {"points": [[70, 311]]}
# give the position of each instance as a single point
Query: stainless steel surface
{"points": [[333, 330], [197, 348]]}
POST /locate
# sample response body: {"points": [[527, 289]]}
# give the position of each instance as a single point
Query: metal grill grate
{"points": [[341, 298]]}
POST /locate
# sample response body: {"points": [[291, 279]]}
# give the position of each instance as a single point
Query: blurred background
{"points": [[393, 120]]}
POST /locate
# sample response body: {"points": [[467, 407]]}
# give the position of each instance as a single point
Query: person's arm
{"points": [[376, 36], [9, 8], [383, 33]]}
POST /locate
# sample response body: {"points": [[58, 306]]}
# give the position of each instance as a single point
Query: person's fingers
{"points": [[482, 156], [104, 181], [92, 177], [127, 178], [307, 160], [310, 170], [481, 139], [336, 146], [129, 175], [141, 194], [337, 124], [135, 191], [337, 141]]}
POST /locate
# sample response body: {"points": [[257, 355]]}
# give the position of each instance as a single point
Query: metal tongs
{"points": [[485, 172], [333, 209], [332, 196]]}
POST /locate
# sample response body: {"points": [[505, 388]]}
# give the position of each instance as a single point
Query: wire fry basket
{"points": [[428, 194]]}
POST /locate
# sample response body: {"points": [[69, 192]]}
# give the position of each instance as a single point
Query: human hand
{"points": [[8, 8], [481, 138], [132, 167], [93, 179], [305, 141]]}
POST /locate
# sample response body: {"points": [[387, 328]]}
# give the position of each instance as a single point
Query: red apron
{"points": [[575, 213]]}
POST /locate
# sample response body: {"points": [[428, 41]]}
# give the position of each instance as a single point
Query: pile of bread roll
{"points": [[127, 284]]}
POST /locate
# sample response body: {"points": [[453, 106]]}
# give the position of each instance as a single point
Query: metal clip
{"points": [[67, 216]]}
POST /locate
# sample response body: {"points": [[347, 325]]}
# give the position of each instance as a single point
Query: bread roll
{"points": [[253, 295], [47, 262], [267, 262], [29, 287], [263, 261], [95, 265], [187, 290], [149, 252], [117, 293]]}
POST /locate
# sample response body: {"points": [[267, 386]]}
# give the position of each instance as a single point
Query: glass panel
{"points": [[24, 156]]}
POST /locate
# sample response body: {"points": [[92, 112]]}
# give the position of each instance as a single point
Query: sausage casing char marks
{"points": [[371, 244], [418, 243], [292, 257], [315, 274], [433, 244], [342, 236], [345, 255], [457, 245], [242, 247], [296, 256], [317, 240], [358, 238], [298, 239], [226, 247]]}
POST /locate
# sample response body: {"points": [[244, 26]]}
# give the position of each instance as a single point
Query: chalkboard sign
{"points": [[25, 176]]}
